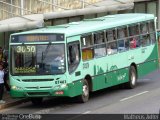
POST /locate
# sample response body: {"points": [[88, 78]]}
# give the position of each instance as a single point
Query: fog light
{"points": [[59, 92]]}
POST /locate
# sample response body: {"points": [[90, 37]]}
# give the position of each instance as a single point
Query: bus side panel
{"points": [[110, 79], [100, 80], [150, 64], [122, 76], [120, 67], [108, 72], [154, 54], [147, 67], [74, 89]]}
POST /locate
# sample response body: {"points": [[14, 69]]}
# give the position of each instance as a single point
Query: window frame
{"points": [[74, 65], [127, 39]]}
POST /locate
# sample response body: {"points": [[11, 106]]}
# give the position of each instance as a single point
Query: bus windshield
{"points": [[45, 59]]}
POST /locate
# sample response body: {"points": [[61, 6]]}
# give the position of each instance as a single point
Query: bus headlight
{"points": [[60, 86], [16, 88]]}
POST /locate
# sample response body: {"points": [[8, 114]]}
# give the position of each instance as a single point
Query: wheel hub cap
{"points": [[85, 90]]}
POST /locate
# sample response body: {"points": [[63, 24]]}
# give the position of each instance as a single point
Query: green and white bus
{"points": [[77, 58]]}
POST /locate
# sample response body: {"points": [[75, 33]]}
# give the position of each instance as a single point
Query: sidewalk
{"points": [[10, 101]]}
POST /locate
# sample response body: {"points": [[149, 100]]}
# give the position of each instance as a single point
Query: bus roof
{"points": [[96, 24]]}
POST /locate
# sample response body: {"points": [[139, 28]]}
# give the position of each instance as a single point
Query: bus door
{"points": [[73, 58]]}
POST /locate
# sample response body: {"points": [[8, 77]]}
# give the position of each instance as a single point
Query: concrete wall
{"points": [[15, 8]]}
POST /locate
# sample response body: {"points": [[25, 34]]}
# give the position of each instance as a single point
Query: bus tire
{"points": [[36, 100], [132, 78], [84, 97]]}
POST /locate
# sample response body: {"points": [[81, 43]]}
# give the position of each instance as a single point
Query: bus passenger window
{"points": [[112, 43], [99, 45], [121, 33], [152, 32], [111, 35], [126, 44], [144, 28], [134, 34], [121, 45], [121, 36], [133, 30], [99, 38], [145, 40], [112, 48], [151, 27], [133, 43], [86, 41], [153, 37], [87, 54], [100, 50], [73, 56]]}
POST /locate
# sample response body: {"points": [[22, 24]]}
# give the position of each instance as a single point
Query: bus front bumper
{"points": [[69, 90]]}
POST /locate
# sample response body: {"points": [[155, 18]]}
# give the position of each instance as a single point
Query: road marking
{"points": [[86, 112], [45, 111], [144, 79], [134, 96]]}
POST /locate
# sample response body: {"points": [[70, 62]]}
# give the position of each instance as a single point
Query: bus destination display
{"points": [[37, 38]]}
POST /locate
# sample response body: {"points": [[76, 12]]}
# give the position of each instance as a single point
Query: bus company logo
{"points": [[21, 117]]}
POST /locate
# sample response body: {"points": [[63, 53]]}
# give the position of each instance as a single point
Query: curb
{"points": [[11, 104]]}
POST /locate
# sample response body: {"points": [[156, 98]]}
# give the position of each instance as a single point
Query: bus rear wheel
{"points": [[132, 78], [84, 97], [36, 100]]}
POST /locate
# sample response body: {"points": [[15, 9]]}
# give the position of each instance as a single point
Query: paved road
{"points": [[145, 98]]}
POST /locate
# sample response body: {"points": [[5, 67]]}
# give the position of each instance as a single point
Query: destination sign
{"points": [[37, 38]]}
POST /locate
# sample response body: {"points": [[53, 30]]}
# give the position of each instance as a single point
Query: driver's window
{"points": [[73, 55]]}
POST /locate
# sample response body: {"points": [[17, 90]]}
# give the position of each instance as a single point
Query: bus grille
{"points": [[47, 87], [38, 93], [37, 80]]}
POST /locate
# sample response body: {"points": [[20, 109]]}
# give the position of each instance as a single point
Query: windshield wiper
{"points": [[31, 61], [44, 54]]}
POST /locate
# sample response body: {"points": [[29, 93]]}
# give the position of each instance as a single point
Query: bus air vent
{"points": [[47, 87], [37, 80]]}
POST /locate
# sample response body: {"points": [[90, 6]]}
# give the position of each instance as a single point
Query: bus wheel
{"points": [[132, 78], [37, 100], [85, 92]]}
